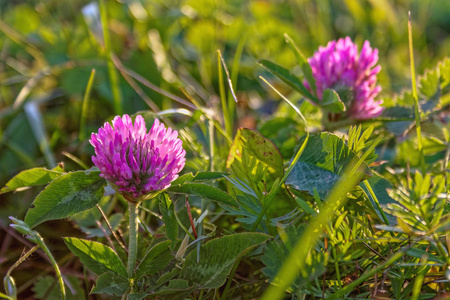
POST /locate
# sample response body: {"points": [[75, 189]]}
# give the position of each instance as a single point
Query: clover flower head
{"points": [[352, 75], [137, 163]]}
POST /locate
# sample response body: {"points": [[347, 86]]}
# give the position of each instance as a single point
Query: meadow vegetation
{"points": [[310, 159]]}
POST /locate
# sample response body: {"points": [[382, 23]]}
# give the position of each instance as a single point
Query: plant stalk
{"points": [[43, 246], [132, 238]]}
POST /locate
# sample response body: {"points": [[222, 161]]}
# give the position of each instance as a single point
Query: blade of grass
{"points": [[138, 90], [197, 106], [296, 260], [111, 229], [211, 147], [84, 109], [34, 116], [20, 40], [231, 99], [182, 226], [414, 94], [230, 84], [285, 75], [148, 84], [223, 98], [336, 267], [234, 75], [26, 159], [418, 281], [375, 200], [75, 159], [3, 296], [113, 76], [298, 256], [28, 87], [175, 111], [296, 109]]}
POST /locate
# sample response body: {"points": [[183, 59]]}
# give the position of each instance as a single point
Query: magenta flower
{"points": [[136, 163], [353, 76]]}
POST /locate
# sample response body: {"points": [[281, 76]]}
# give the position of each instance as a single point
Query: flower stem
{"points": [[43, 246], [132, 238]]}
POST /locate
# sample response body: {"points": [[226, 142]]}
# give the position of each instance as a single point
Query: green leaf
{"points": [[155, 260], [167, 276], [400, 128], [331, 102], [321, 164], [178, 284], [287, 78], [65, 196], [217, 258], [257, 146], [282, 131], [96, 257], [359, 141], [89, 218], [429, 83], [380, 186], [198, 176], [168, 211], [430, 90], [111, 284], [31, 177], [444, 70], [418, 253], [47, 288], [204, 191], [398, 112]]}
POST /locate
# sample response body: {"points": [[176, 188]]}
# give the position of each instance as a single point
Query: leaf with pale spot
{"points": [[65, 196]]}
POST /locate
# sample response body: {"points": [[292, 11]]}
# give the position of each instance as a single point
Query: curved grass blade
{"points": [[84, 110]]}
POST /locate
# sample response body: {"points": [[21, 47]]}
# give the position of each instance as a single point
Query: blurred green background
{"points": [[48, 49]]}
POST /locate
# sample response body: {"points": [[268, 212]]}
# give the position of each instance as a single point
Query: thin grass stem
{"points": [[85, 107], [113, 76], [416, 100]]}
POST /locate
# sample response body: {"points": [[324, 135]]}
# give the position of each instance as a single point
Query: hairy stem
{"points": [[43, 246], [132, 238]]}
